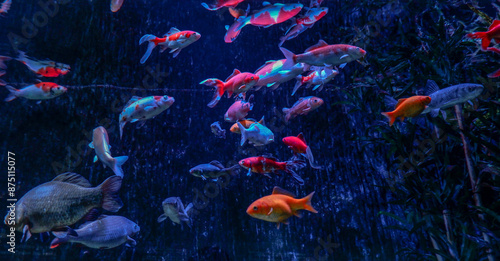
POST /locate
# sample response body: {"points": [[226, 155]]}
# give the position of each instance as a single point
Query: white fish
{"points": [[174, 209], [100, 143]]}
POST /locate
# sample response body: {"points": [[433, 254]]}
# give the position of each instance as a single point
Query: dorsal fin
{"points": [[172, 31], [320, 44], [262, 121], [132, 100], [301, 137], [278, 190], [266, 64], [299, 101], [494, 24], [431, 87], [217, 164], [400, 101], [235, 72], [265, 3], [73, 178]]}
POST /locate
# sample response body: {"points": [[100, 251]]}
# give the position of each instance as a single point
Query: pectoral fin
{"points": [[270, 211], [95, 158]]}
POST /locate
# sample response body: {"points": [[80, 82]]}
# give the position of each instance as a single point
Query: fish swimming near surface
{"points": [[217, 130], [104, 233], [298, 145], [273, 73], [246, 123], [303, 23], [257, 134], [115, 5], [213, 170], [279, 206], [45, 68], [266, 164], [302, 107], [141, 109], [62, 202], [175, 39], [236, 83], [38, 91], [317, 78], [408, 107], [238, 110], [174, 209], [100, 143], [222, 3]]}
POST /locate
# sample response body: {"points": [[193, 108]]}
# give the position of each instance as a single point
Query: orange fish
{"points": [[408, 107], [279, 206], [245, 123]]}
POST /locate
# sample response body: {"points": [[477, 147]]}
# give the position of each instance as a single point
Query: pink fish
{"points": [[4, 8], [317, 78], [236, 83], [222, 3], [238, 110], [115, 5], [302, 107], [303, 23], [174, 39]]}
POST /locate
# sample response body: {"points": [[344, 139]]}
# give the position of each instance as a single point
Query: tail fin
{"points": [[282, 40], [2, 82], [298, 83], [390, 117], [62, 237], [58, 241], [122, 124], [291, 58], [292, 166], [12, 94], [3, 59], [210, 7], [110, 200], [219, 85], [233, 171], [306, 201], [494, 74], [151, 46], [310, 158], [243, 133], [117, 168], [485, 39]]}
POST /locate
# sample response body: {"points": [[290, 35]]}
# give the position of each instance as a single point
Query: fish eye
{"points": [[255, 208]]}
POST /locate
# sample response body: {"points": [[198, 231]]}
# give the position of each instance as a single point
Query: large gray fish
{"points": [[100, 143], [450, 96], [105, 232], [63, 202], [174, 209], [212, 170]]}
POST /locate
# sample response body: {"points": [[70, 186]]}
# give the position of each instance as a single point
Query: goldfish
{"points": [[62, 202], [100, 143], [217, 130], [103, 233], [115, 5], [222, 3], [303, 23], [317, 78], [175, 39], [238, 110], [302, 107], [270, 15], [212, 170], [273, 73], [141, 109], [174, 209], [246, 123], [279, 206], [257, 134], [408, 107], [236, 83], [322, 54], [299, 146], [38, 91], [265, 165], [4, 8], [45, 68]]}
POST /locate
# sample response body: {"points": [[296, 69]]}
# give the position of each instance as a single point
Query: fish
{"points": [[299, 146], [45, 68], [100, 143], [238, 110], [279, 206], [302, 107], [266, 164], [38, 91], [237, 13], [246, 123], [221, 3], [303, 23], [174, 209], [236, 83], [141, 109], [273, 73], [270, 15], [175, 39], [450, 96], [4, 59], [62, 202], [257, 134], [213, 170], [317, 78], [322, 54], [104, 233], [493, 33], [408, 107], [4, 8], [115, 5], [217, 130]]}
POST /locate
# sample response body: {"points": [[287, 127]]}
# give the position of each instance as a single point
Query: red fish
{"points": [[238, 110], [236, 83], [265, 165], [486, 37], [45, 68], [298, 145], [222, 3], [174, 39]]}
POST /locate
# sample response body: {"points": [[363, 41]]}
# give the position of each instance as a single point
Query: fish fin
{"points": [[243, 133], [57, 242], [172, 31], [117, 168], [233, 170], [134, 120], [3, 59], [390, 117], [189, 209], [485, 39], [431, 87], [434, 113], [306, 201], [310, 158], [342, 65], [110, 200], [235, 72], [12, 93], [298, 213], [227, 27], [270, 211], [151, 46], [321, 43], [400, 101], [494, 24], [265, 3], [122, 124], [211, 7], [26, 233], [249, 173], [95, 159], [162, 218], [301, 137], [389, 101], [344, 56], [131, 242], [73, 178], [91, 145], [132, 100], [494, 74], [219, 85], [298, 84], [444, 114], [2, 82], [217, 164], [278, 225], [278, 190], [291, 58], [92, 215], [177, 52], [317, 86]]}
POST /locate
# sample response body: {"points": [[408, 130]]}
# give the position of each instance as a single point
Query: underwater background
{"points": [[370, 207]]}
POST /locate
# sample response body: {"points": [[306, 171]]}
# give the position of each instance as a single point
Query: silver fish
{"points": [[100, 143], [212, 170], [174, 209]]}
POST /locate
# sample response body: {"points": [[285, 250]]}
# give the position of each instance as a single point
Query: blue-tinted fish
{"points": [[257, 134], [174, 209], [212, 170], [100, 143], [217, 130]]}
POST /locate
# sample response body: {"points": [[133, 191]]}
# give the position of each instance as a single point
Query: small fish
{"points": [[115, 5], [303, 23], [317, 78], [246, 123], [141, 109], [279, 206], [302, 107], [100, 143], [175, 39], [4, 8], [238, 110], [104, 233], [265, 165], [222, 3], [257, 134], [62, 202], [45, 68], [298, 145], [273, 73], [174, 209], [213, 170], [408, 107], [323, 54], [236, 83], [39, 91], [217, 130]]}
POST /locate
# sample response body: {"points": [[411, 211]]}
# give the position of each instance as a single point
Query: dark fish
{"points": [[212, 170], [217, 130], [174, 209]]}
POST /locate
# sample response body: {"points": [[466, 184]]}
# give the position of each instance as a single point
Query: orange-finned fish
{"points": [[175, 39], [408, 107], [5, 6], [236, 83], [45, 68], [39, 91], [246, 123], [279, 206], [302, 107], [298, 145], [265, 165]]}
